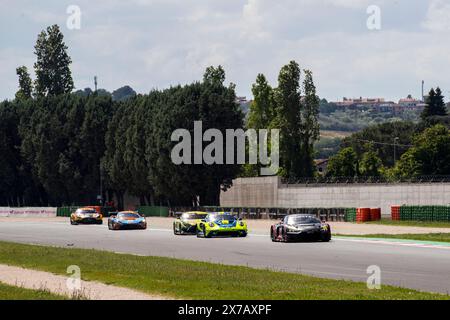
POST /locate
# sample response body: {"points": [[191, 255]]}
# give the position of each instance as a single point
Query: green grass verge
{"points": [[426, 224], [434, 237], [193, 280], [16, 293]]}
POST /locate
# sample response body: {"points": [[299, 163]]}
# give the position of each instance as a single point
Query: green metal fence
{"points": [[65, 211], [153, 211]]}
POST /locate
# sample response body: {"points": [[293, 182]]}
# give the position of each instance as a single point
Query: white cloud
{"points": [[438, 16], [156, 43]]}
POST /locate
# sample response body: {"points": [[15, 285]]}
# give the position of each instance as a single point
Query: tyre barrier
{"points": [[375, 214], [420, 213], [362, 215]]}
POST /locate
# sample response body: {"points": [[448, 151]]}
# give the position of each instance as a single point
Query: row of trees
{"points": [[67, 148], [293, 108]]}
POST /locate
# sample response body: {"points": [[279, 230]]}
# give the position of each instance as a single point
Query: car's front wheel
{"points": [[326, 237]]}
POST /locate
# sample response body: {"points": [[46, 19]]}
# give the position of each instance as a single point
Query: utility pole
{"points": [[395, 149], [95, 83], [423, 94]]}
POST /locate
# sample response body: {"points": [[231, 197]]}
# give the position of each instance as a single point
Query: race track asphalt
{"points": [[425, 268]]}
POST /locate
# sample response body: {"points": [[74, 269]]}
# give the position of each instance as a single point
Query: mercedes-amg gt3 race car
{"points": [[221, 224], [298, 227], [127, 220], [187, 222], [86, 216]]}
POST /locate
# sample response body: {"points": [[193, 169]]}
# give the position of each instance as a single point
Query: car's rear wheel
{"points": [[205, 234], [272, 234], [73, 222]]}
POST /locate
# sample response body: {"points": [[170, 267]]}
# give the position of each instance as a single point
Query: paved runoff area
{"points": [[411, 264]]}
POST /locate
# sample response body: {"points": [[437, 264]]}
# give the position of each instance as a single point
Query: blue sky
{"points": [[155, 43]]}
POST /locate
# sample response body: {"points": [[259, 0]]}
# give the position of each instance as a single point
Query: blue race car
{"points": [[127, 220]]}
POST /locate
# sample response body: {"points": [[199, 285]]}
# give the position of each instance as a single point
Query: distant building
{"points": [[321, 165], [381, 105], [409, 103]]}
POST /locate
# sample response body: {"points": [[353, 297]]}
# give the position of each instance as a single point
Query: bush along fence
{"points": [[420, 213]]}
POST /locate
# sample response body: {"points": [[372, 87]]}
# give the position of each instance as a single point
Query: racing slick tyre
{"points": [[111, 226], [204, 233], [73, 222], [326, 237], [243, 234], [175, 232], [272, 234]]}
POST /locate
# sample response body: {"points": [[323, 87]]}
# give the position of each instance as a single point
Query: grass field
{"points": [[15, 293], [432, 237], [426, 224], [193, 280]]}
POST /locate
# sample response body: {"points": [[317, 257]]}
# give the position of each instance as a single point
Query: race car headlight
{"points": [[211, 224]]}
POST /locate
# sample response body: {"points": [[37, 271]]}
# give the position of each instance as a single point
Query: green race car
{"points": [[187, 222], [221, 224]]}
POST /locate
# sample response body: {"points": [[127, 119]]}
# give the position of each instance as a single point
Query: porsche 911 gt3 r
{"points": [[221, 224], [187, 222], [86, 216], [127, 220], [297, 227]]}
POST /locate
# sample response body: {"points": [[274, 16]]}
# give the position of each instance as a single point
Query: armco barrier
{"points": [[44, 212], [150, 211]]}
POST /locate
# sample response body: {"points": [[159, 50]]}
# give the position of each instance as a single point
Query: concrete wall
{"points": [[269, 192]]}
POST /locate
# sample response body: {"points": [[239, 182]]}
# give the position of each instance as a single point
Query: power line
{"points": [[385, 143]]}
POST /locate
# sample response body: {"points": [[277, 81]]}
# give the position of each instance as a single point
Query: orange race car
{"points": [[86, 216]]}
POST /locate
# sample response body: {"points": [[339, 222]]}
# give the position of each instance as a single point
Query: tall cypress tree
{"points": [[52, 67], [310, 125], [435, 105], [25, 84]]}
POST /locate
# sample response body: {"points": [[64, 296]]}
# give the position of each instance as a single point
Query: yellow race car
{"points": [[187, 222], [221, 224], [86, 216]]}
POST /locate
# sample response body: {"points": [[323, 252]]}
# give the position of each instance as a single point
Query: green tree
{"points": [[343, 164], [310, 130], [52, 67], [380, 138], [25, 84], [370, 164], [430, 154], [262, 107], [260, 116], [288, 120], [435, 105]]}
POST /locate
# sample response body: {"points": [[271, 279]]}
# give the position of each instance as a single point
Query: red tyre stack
{"points": [[395, 213], [362, 215], [375, 214]]}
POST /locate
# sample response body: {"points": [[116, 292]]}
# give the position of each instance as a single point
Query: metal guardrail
{"points": [[366, 180]]}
